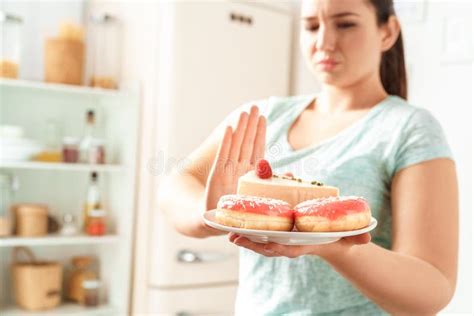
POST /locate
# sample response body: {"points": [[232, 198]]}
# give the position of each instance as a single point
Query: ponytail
{"points": [[392, 66]]}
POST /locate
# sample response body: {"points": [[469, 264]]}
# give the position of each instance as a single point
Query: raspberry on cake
{"points": [[253, 212], [263, 169]]}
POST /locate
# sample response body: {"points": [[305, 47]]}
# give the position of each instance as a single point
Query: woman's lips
{"points": [[327, 64]]}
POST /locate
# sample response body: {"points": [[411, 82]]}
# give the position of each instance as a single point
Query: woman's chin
{"points": [[329, 78]]}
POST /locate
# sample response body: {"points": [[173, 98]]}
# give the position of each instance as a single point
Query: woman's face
{"points": [[341, 40]]}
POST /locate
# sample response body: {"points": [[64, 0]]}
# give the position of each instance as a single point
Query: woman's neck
{"points": [[362, 95]]}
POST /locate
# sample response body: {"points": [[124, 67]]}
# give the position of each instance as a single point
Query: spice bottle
{"points": [[93, 199], [89, 133], [96, 151], [82, 270], [70, 149], [91, 292], [96, 224]]}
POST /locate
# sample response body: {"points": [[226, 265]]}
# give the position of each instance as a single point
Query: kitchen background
{"points": [[155, 80]]}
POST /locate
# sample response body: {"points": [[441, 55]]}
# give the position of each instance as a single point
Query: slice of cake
{"points": [[262, 182]]}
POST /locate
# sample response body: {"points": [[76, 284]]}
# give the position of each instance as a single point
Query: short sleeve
{"points": [[422, 139]]}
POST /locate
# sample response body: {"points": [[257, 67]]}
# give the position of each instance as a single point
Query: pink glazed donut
{"points": [[251, 212], [339, 213]]}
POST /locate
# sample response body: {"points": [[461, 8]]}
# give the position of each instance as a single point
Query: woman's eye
{"points": [[312, 28], [345, 25]]}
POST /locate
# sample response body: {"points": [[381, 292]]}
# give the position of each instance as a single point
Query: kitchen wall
{"points": [[439, 54], [439, 51]]}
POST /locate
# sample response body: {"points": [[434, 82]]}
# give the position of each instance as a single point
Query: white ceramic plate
{"points": [[286, 238]]}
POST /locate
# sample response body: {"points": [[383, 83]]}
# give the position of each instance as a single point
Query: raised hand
{"points": [[238, 153]]}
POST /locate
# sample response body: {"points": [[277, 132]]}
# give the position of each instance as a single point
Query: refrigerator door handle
{"points": [[189, 256]]}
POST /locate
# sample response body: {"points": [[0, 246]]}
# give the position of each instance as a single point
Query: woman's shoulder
{"points": [[416, 137], [407, 114]]}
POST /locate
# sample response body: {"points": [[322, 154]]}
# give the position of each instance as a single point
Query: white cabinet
{"points": [[214, 57], [62, 186], [182, 261], [215, 300], [219, 60]]}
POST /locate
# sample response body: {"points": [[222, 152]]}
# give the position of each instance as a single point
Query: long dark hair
{"points": [[392, 66]]}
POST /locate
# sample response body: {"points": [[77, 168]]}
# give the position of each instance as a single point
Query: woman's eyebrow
{"points": [[342, 14], [337, 15]]}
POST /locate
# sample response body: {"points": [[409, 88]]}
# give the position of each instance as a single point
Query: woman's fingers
{"points": [[238, 137], [359, 239], [249, 138], [259, 143], [232, 236], [224, 148]]}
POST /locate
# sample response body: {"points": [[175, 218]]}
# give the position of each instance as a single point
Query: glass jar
{"points": [[96, 151], [91, 292], [7, 186], [70, 149], [105, 47], [69, 226], [96, 225], [52, 143], [10, 45], [82, 269]]}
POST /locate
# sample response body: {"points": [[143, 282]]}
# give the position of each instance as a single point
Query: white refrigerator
{"points": [[214, 56]]}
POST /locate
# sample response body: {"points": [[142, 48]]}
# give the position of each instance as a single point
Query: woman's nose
{"points": [[325, 39]]}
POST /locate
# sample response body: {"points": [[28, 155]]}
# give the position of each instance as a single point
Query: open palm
{"points": [[238, 153]]}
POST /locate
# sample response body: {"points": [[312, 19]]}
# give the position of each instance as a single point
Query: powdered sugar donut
{"points": [[253, 212], [332, 214]]}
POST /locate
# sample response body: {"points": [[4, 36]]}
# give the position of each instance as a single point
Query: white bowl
{"points": [[18, 149]]}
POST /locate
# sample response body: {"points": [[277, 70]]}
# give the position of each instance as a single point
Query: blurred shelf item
{"points": [[61, 88], [33, 165], [55, 240], [65, 309]]}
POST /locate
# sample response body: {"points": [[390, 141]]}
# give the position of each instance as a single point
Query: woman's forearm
{"points": [[399, 283], [181, 197]]}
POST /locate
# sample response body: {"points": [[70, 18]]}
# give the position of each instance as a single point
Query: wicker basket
{"points": [[37, 284], [31, 219]]}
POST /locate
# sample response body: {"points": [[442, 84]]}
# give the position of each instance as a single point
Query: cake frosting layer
{"points": [[291, 190]]}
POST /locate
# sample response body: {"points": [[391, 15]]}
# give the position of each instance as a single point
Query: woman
{"points": [[360, 135]]}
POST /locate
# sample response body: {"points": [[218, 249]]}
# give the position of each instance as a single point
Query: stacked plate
{"points": [[14, 146]]}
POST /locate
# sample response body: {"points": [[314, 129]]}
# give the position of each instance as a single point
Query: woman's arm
{"points": [[181, 194], [418, 276], [181, 197]]}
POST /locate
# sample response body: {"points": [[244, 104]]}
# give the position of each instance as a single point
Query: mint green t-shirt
{"points": [[360, 160]]}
